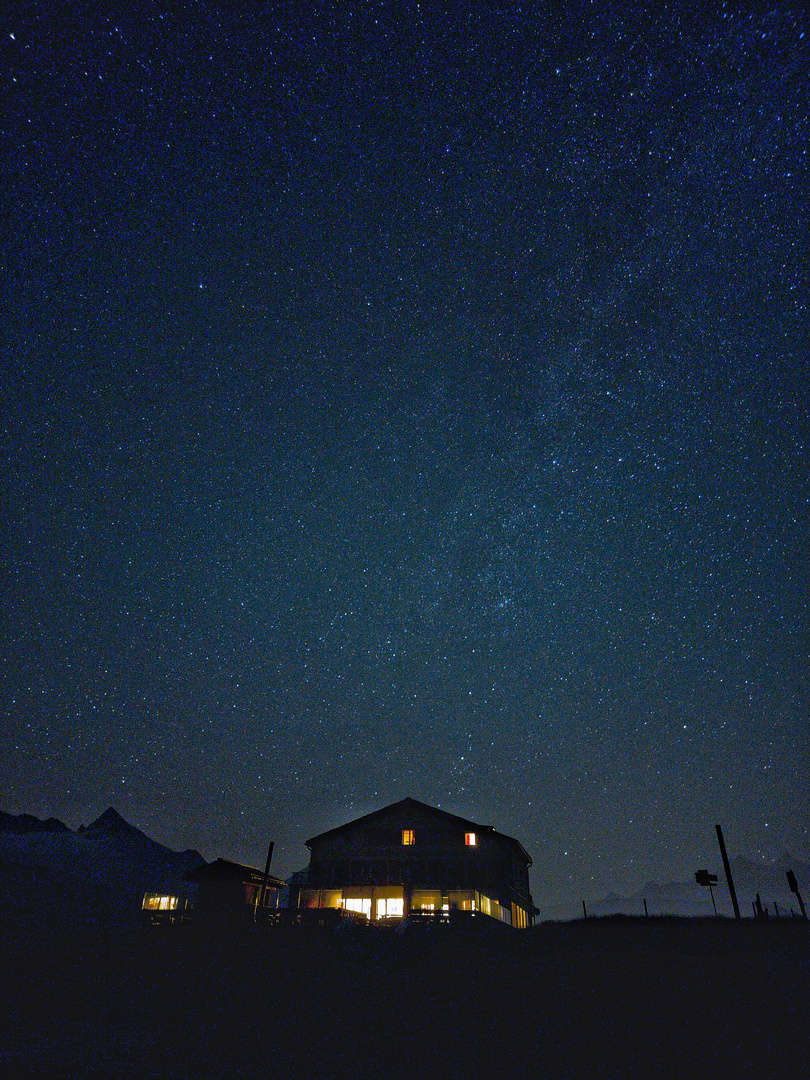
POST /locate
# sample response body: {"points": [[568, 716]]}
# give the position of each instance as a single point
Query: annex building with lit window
{"points": [[411, 858]]}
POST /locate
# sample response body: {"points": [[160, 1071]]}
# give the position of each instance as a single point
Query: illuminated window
{"points": [[408, 837], [469, 839], [155, 902], [362, 907], [390, 908]]}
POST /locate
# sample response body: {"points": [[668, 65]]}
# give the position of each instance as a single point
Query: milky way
{"points": [[404, 404]]}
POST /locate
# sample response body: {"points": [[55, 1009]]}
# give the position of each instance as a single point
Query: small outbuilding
{"points": [[232, 892]]}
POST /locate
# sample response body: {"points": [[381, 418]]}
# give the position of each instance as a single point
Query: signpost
{"points": [[703, 877]]}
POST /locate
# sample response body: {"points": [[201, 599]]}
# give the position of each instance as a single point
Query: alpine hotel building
{"points": [[410, 857]]}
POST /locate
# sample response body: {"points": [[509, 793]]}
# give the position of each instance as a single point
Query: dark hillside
{"points": [[602, 998], [48, 873]]}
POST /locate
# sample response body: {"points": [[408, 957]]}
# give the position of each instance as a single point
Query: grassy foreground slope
{"points": [[603, 998]]}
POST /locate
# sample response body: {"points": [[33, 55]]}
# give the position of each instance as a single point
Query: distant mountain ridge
{"points": [[97, 873], [27, 823], [689, 898]]}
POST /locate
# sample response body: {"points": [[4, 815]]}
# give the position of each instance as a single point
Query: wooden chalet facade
{"points": [[413, 858]]}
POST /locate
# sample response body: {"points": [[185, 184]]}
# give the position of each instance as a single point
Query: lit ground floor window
{"points": [[157, 902], [391, 907], [378, 903], [358, 904], [493, 908], [426, 900], [520, 918], [372, 901]]}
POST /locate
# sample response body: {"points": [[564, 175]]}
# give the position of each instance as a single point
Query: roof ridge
{"points": [[415, 802]]}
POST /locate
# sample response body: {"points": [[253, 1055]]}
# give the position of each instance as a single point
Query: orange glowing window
{"points": [[155, 902], [469, 839], [408, 836]]}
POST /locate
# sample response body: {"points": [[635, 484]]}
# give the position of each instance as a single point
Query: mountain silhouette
{"points": [[27, 823], [689, 898], [98, 873]]}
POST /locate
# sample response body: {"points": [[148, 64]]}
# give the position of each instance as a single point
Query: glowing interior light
{"points": [[154, 902], [469, 839], [408, 837], [390, 908], [362, 907]]}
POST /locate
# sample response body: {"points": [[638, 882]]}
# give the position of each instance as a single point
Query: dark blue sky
{"points": [[405, 401]]}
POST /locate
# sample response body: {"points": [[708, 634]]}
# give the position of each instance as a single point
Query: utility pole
{"points": [[266, 876], [727, 868]]}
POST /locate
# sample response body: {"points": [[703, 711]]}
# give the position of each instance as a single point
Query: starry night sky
{"points": [[405, 400]]}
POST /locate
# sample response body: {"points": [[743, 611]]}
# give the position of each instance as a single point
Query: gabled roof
{"points": [[414, 804], [225, 870]]}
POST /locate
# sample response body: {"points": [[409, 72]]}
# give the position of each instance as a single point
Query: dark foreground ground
{"points": [[603, 998]]}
